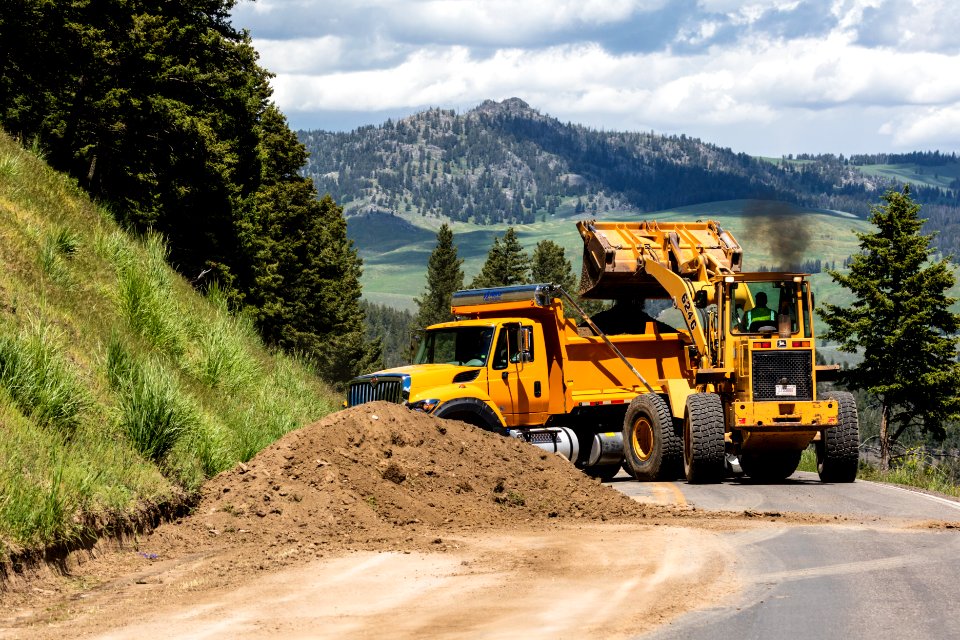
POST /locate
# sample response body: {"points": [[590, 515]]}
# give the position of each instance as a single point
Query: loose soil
{"points": [[379, 518]]}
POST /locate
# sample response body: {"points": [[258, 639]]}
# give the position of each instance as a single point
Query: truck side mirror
{"points": [[415, 338], [525, 344]]}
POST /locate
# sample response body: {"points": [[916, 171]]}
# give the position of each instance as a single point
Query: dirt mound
{"points": [[380, 476]]}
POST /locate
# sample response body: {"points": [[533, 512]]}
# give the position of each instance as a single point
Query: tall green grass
{"points": [[40, 380], [145, 295], [154, 412], [119, 384]]}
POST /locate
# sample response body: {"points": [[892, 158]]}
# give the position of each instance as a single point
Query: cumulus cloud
{"points": [[936, 127], [909, 25], [824, 65]]}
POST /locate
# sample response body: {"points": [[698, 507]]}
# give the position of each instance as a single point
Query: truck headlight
{"points": [[426, 406]]}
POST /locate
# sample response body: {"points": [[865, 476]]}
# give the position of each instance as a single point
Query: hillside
{"points": [[506, 163], [121, 388]]}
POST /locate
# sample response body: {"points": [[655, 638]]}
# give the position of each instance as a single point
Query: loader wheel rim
{"points": [[642, 438]]}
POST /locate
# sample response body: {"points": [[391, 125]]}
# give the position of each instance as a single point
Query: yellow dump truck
{"points": [[731, 388]]}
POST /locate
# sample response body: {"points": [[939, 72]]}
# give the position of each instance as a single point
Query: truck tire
{"points": [[703, 445], [652, 446], [838, 450], [772, 466]]}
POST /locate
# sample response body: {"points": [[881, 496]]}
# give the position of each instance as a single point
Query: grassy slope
{"points": [[119, 385], [929, 176]]}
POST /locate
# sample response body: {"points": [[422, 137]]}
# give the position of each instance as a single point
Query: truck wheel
{"points": [[772, 466], [652, 448], [703, 445], [605, 472], [838, 450]]}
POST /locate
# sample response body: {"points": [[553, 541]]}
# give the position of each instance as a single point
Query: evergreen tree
{"points": [[302, 276], [160, 110], [507, 263], [900, 318], [550, 264], [444, 276]]}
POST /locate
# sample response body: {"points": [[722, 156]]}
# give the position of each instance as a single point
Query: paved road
{"points": [[802, 492], [884, 574]]}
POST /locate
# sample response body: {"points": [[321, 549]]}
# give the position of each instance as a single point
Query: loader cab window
{"points": [[465, 346], [767, 306], [509, 347]]}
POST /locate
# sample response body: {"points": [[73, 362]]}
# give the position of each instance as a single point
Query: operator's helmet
{"points": [[761, 299]]}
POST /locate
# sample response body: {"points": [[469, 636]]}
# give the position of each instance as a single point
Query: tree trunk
{"points": [[884, 437]]}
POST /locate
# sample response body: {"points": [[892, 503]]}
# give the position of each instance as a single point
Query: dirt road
{"points": [[561, 582]]}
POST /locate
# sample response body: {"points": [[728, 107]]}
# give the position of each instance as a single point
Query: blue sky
{"points": [[769, 77]]}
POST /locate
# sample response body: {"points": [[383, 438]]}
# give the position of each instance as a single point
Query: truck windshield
{"points": [[768, 306], [467, 346]]}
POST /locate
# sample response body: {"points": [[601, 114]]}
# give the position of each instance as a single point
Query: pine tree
{"points": [[302, 281], [507, 263], [444, 276], [550, 264], [900, 318], [391, 326]]}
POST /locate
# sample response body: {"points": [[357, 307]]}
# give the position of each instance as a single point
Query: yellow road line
{"points": [[668, 493]]}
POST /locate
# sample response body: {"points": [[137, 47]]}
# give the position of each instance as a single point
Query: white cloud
{"points": [[506, 22], [302, 55], [928, 129], [750, 79]]}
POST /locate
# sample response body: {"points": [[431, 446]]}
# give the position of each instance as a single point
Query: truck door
{"points": [[518, 375]]}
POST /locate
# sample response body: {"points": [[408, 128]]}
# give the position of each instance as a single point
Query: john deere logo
{"points": [[781, 344], [374, 381]]}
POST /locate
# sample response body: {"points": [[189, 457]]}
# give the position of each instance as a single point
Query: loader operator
{"points": [[760, 315]]}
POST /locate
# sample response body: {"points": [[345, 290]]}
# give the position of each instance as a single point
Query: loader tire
{"points": [[703, 445], [771, 466], [652, 445], [838, 450]]}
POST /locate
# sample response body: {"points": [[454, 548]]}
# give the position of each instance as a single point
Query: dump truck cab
{"points": [[488, 368], [500, 360]]}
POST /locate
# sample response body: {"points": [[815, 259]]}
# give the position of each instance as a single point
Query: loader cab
{"points": [[768, 304]]}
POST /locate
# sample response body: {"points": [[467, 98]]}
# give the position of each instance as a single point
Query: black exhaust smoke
{"points": [[782, 228]]}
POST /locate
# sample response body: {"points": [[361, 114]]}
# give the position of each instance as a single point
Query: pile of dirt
{"points": [[379, 476]]}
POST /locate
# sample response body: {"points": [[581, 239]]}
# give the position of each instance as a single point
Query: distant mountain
{"points": [[505, 162]]}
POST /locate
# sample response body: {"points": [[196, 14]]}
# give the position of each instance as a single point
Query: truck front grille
{"points": [[771, 368], [370, 389]]}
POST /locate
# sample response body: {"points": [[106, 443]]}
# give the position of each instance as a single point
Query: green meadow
{"points": [[929, 176]]}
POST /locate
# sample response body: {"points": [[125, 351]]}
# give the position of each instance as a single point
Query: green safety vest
{"points": [[761, 314]]}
